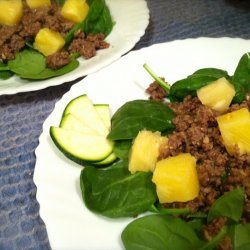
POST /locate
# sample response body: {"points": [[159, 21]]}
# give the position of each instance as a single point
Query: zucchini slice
{"points": [[104, 112], [109, 159], [71, 122], [83, 108], [81, 147]]}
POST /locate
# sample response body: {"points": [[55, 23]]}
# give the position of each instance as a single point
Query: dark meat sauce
{"points": [[14, 38], [197, 133]]}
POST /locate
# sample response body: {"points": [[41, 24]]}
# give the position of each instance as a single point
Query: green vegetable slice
{"points": [[81, 147]]}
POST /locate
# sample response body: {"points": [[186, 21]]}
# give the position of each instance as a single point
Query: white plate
{"points": [[131, 19], [69, 224]]}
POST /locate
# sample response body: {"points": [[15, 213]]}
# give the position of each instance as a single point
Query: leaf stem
{"points": [[169, 211], [162, 83], [215, 240]]}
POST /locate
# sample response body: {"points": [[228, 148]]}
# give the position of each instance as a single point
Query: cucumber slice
{"points": [[83, 108], [104, 112], [107, 160], [71, 122], [81, 147]]}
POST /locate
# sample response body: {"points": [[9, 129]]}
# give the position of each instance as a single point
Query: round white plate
{"points": [[69, 224], [131, 20]]}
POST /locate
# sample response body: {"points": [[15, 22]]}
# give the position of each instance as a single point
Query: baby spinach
{"points": [[137, 115], [240, 236], [5, 74], [160, 232], [229, 205], [70, 35], [122, 148], [241, 78], [30, 64], [3, 66], [200, 78], [98, 20], [114, 192]]}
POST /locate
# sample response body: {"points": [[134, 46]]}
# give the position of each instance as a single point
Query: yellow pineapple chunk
{"points": [[33, 4], [217, 95], [48, 41], [75, 10], [145, 151], [11, 12], [176, 179], [235, 131]]}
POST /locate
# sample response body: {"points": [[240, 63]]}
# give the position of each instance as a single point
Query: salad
{"points": [[43, 39], [179, 163]]}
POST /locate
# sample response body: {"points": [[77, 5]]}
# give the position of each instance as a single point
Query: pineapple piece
{"points": [[75, 10], [48, 41], [11, 12], [33, 4], [176, 179], [235, 131], [217, 95], [145, 151]]}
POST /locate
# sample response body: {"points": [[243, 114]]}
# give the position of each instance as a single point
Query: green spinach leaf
{"points": [[3, 66], [137, 115], [104, 24], [229, 205], [98, 20], [4, 75], [49, 73], [122, 148], [114, 192], [27, 62], [240, 236], [160, 232], [30, 64], [70, 35], [200, 78], [241, 78]]}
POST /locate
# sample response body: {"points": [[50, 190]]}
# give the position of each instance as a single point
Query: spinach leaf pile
{"points": [[114, 192], [202, 77], [31, 64]]}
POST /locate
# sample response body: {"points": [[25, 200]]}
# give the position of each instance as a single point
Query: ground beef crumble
{"points": [[14, 38], [197, 133]]}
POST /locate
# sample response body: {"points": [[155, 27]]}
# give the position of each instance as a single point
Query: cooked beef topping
{"points": [[197, 133], [155, 91], [87, 45], [58, 60]]}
